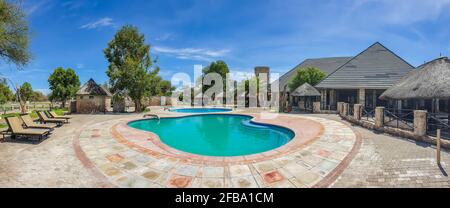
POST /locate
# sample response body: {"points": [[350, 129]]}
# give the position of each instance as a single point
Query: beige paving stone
{"points": [[244, 182], [216, 172], [212, 183], [239, 170]]}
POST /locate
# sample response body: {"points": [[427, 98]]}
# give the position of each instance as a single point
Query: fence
{"points": [[368, 114], [438, 121], [324, 107], [399, 118], [15, 107]]}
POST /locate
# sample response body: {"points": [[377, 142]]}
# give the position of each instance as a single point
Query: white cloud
{"points": [[103, 22], [167, 36], [404, 11], [192, 53], [72, 4], [31, 8]]}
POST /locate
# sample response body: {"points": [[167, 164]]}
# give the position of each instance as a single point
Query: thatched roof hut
{"points": [[92, 88], [93, 98], [306, 90], [429, 81]]}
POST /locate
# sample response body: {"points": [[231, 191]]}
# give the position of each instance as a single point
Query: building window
{"points": [[91, 97]]}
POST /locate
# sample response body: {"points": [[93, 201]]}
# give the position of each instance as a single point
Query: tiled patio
{"points": [[86, 154], [124, 157]]}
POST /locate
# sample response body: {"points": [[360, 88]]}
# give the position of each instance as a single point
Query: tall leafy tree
{"points": [[64, 85], [26, 92], [219, 67], [13, 34], [39, 96], [166, 88], [129, 69], [310, 75], [5, 92]]}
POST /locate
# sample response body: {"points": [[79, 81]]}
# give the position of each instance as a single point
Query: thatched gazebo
{"points": [[428, 87], [93, 98], [304, 96]]}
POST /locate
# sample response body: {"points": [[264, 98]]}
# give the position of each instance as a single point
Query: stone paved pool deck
{"points": [[100, 151]]}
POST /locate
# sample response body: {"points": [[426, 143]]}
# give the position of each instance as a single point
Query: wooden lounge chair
{"points": [[16, 128], [45, 119], [52, 114], [29, 123]]}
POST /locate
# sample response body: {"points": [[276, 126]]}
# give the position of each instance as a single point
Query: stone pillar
{"points": [[420, 122], [345, 109], [379, 117], [362, 96], [316, 107], [357, 111], [339, 107]]}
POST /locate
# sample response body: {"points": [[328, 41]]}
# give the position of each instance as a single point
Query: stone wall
{"points": [[87, 104]]}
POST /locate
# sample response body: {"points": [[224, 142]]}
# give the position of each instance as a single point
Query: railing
{"points": [[437, 121], [368, 114], [328, 107], [399, 118], [15, 107]]}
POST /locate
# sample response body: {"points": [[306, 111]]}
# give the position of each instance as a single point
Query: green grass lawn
{"points": [[60, 112], [32, 114]]}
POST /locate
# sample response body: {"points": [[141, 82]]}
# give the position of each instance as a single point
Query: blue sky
{"points": [[244, 33]]}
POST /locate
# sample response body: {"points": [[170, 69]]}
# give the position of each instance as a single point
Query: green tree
{"points": [[219, 67], [13, 34], [26, 92], [39, 96], [166, 88], [64, 85], [129, 66], [5, 92], [310, 75]]}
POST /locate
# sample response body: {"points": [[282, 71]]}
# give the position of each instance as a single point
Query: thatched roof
{"points": [[92, 88], [431, 80], [306, 90]]}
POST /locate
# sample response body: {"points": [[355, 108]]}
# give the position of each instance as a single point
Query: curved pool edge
{"points": [[163, 145], [294, 144], [199, 110], [339, 137]]}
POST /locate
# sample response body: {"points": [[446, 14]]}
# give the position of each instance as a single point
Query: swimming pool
{"points": [[200, 110], [216, 134]]}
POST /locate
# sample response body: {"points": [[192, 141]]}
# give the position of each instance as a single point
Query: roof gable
{"points": [[376, 67], [305, 90], [92, 88], [327, 65]]}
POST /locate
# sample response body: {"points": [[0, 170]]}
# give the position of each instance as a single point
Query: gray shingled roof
{"points": [[305, 90], [92, 88], [429, 81], [327, 65], [375, 68]]}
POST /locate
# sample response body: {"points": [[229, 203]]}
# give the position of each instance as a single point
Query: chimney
{"points": [[262, 70]]}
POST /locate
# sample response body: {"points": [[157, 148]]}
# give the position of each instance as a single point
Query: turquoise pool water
{"points": [[216, 134], [200, 110]]}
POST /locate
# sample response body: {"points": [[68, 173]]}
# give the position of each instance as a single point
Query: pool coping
{"points": [[288, 148], [269, 178]]}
